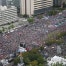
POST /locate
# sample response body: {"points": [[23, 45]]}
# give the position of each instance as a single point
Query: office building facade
{"points": [[31, 7], [15, 3], [2, 2], [57, 2], [7, 15]]}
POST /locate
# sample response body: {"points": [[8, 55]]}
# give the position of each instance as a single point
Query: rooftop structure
{"points": [[2, 8]]}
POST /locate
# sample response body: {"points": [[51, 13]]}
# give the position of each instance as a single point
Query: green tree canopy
{"points": [[33, 58]]}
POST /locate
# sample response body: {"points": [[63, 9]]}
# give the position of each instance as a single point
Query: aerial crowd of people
{"points": [[32, 35]]}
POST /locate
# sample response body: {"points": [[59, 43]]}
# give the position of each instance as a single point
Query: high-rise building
{"points": [[10, 2], [57, 2], [15, 3], [3, 2], [7, 15], [31, 7]]}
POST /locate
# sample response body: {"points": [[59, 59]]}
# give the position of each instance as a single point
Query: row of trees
{"points": [[54, 41], [55, 10], [52, 12], [11, 26], [30, 20]]}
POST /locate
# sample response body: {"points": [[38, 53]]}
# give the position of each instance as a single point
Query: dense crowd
{"points": [[31, 35]]}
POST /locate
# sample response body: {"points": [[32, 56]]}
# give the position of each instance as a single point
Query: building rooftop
{"points": [[3, 8]]}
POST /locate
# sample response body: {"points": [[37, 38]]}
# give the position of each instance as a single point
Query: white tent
{"points": [[56, 59], [21, 49]]}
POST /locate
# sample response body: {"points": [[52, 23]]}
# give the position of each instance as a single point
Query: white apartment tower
{"points": [[31, 7], [7, 15]]}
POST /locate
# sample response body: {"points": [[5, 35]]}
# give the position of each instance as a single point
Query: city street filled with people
{"points": [[31, 35]]}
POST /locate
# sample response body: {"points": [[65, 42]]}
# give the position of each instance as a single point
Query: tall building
{"points": [[10, 2], [15, 3], [7, 15], [57, 2], [31, 7], [3, 2]]}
